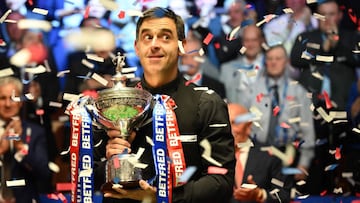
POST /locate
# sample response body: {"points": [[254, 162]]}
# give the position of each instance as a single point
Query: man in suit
{"points": [[196, 67], [258, 167], [28, 158]]}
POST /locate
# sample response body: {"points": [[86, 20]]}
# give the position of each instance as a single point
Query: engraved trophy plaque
{"points": [[125, 108]]}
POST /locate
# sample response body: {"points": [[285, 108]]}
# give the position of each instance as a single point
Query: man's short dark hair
{"points": [[158, 12]]}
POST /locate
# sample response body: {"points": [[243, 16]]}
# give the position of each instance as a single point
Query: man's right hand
{"points": [[116, 144]]}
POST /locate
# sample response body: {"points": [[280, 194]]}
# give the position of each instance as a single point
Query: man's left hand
{"points": [[146, 191]]}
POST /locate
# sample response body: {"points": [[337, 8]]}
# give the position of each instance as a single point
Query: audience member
{"points": [[196, 67], [254, 166], [200, 114], [285, 28], [207, 17], [229, 41], [327, 65], [29, 160], [240, 74], [284, 109], [82, 68]]}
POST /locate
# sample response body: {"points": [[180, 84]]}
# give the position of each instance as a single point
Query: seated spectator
{"points": [[254, 166], [241, 73], [197, 68], [28, 159], [285, 28], [278, 101]]}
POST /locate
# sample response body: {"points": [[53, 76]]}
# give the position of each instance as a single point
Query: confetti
{"points": [[357, 130], [330, 167], [54, 167], [265, 46], [186, 175], [306, 55], [62, 73], [65, 152], [285, 125], [327, 100], [303, 196], [121, 15], [40, 11], [64, 186], [248, 186], [181, 47], [15, 183], [85, 173], [311, 1], [259, 97], [201, 52], [3, 17], [21, 58], [87, 63], [288, 10], [6, 72], [300, 182], [266, 19], [199, 59], [100, 79], [276, 110], [294, 120], [134, 13], [317, 75], [290, 171], [95, 57], [338, 190], [233, 32], [277, 182], [338, 114], [244, 118], [313, 45], [242, 50], [319, 16], [37, 70], [218, 125], [110, 5], [324, 115], [70, 97], [208, 38], [34, 24], [325, 58], [2, 43], [207, 152], [338, 153], [347, 174]]}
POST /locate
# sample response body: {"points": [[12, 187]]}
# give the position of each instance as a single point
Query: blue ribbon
{"points": [[160, 151], [85, 182]]}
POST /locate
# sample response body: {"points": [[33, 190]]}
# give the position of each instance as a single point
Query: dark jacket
{"points": [[196, 111]]}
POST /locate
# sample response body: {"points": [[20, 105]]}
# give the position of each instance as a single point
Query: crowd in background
{"points": [[226, 51]]}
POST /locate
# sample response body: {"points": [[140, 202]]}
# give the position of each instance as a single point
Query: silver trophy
{"points": [[125, 108]]}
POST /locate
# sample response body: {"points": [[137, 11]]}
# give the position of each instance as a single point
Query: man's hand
{"points": [[116, 144], [303, 175], [146, 191], [249, 194]]}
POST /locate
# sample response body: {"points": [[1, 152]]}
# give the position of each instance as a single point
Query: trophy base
{"points": [[127, 185]]}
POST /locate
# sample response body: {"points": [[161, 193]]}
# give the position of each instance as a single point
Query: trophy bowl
{"points": [[125, 108]]}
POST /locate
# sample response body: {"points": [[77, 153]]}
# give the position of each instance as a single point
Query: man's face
{"points": [[276, 61], [157, 46], [236, 14], [188, 60], [332, 17], [240, 131], [252, 40], [8, 107], [296, 5]]}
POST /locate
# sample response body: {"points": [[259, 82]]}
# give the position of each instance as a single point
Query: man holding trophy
{"points": [[187, 127]]}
